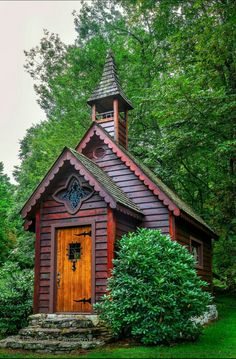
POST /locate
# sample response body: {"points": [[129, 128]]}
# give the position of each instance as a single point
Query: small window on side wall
{"points": [[196, 248]]}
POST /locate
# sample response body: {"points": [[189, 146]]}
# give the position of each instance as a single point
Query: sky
{"points": [[21, 28]]}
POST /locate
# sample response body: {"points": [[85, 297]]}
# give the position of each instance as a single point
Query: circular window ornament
{"points": [[99, 152]]}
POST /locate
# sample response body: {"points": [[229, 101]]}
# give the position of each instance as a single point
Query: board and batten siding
{"points": [[54, 213], [156, 215]]}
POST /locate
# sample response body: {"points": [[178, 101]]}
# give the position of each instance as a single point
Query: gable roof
{"points": [[109, 86], [97, 178], [149, 178], [119, 196]]}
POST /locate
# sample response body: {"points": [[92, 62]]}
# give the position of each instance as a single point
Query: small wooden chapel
{"points": [[90, 197]]}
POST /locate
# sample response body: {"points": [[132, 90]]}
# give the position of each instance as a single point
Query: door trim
{"points": [[61, 225]]}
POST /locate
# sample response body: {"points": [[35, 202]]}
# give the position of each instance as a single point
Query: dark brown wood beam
{"points": [[111, 234]]}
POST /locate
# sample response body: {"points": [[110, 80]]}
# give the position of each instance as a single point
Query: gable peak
{"points": [[109, 88]]}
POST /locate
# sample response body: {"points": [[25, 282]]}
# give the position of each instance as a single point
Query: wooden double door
{"points": [[74, 269]]}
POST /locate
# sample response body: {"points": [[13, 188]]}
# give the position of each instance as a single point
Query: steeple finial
{"points": [[109, 104], [109, 88]]}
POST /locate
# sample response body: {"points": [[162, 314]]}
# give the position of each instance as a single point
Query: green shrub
{"points": [[154, 290], [16, 293]]}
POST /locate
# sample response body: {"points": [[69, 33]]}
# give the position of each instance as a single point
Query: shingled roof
{"points": [[163, 187], [102, 183], [109, 186], [129, 159], [108, 88], [169, 192], [183, 206]]}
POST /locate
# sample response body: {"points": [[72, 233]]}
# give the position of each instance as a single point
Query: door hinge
{"points": [[83, 300], [84, 234]]}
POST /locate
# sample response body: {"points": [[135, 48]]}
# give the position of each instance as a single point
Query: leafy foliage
{"points": [[176, 61], [224, 262], [154, 290], [7, 235], [16, 292]]}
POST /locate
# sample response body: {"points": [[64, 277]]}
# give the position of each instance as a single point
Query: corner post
{"points": [[94, 112], [126, 129], [116, 118], [172, 226], [37, 262], [111, 233]]}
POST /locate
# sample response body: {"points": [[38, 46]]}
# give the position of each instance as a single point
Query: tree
{"points": [[176, 61], [7, 235]]}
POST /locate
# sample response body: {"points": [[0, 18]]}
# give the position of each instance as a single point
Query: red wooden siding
{"points": [[183, 233], [125, 225], [156, 214], [108, 224], [109, 127], [122, 132], [53, 213]]}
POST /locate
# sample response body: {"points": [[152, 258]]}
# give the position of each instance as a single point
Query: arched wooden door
{"points": [[73, 275]]}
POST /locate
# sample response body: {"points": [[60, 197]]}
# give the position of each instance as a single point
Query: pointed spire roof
{"points": [[108, 88]]}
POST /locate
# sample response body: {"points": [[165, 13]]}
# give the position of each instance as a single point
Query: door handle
{"points": [[58, 279]]}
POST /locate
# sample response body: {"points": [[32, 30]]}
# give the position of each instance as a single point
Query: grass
{"points": [[217, 341]]}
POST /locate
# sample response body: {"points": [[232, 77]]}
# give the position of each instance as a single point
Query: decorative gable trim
{"points": [[95, 129], [73, 194], [27, 224], [67, 155], [40, 189]]}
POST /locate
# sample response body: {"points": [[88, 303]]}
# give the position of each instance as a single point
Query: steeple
{"points": [[109, 104]]}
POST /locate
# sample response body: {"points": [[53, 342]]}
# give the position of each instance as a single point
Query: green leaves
{"points": [[16, 292], [154, 290], [176, 61], [7, 235]]}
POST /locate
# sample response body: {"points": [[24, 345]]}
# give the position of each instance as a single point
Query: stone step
{"points": [[66, 323], [60, 333], [63, 321], [63, 333], [48, 346]]}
